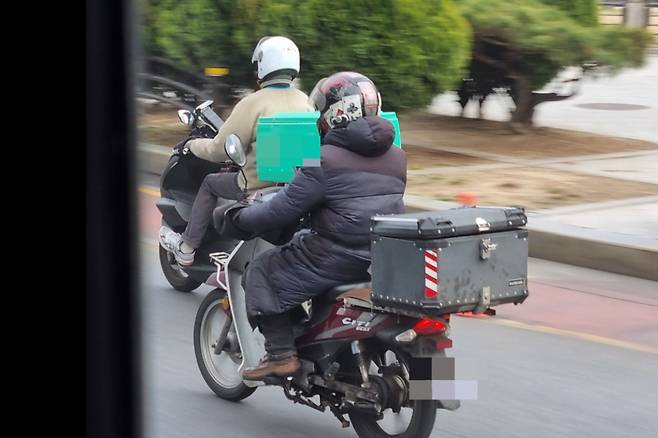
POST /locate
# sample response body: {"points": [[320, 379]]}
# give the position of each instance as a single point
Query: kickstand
{"points": [[341, 417]]}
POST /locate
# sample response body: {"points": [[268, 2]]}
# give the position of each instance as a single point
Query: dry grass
{"points": [[533, 188], [428, 131]]}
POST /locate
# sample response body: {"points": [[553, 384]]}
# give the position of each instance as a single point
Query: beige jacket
{"points": [[242, 122]]}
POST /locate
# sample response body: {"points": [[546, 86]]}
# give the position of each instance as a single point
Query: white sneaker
{"points": [[172, 241]]}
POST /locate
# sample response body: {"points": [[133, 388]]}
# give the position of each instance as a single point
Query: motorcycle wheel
{"points": [[220, 371], [176, 277], [414, 421]]}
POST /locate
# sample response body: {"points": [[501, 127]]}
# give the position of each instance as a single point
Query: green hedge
{"points": [[411, 49], [542, 39]]}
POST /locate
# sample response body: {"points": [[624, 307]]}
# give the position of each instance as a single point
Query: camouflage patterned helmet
{"points": [[344, 97]]}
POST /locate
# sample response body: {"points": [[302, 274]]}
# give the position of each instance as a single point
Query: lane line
{"points": [[149, 190], [576, 335]]}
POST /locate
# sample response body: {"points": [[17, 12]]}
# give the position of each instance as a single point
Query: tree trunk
{"points": [[521, 119]]}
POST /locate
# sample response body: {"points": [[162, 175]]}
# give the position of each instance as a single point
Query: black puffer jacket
{"points": [[361, 175]]}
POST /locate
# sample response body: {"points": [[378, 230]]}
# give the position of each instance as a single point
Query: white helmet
{"points": [[276, 54]]}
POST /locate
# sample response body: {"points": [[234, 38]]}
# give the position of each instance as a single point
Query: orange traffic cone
{"points": [[466, 198]]}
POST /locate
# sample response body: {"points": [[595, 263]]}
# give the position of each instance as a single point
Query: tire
{"points": [[173, 273], [421, 425], [219, 371], [421, 414]]}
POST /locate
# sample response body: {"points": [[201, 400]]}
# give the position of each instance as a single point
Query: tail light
{"points": [[430, 327], [423, 327]]}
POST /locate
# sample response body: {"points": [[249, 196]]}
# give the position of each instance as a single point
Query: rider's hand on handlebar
{"points": [[181, 149]]}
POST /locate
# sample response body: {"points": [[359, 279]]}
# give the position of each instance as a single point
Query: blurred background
{"points": [[551, 105]]}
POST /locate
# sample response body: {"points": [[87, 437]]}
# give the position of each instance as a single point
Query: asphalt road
{"points": [[536, 379]]}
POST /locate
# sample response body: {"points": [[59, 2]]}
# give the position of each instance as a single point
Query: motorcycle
{"points": [[179, 184], [360, 360]]}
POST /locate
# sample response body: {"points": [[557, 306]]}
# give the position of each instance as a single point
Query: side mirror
{"points": [[234, 150], [185, 117]]}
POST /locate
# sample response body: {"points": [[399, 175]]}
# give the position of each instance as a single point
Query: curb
{"points": [[549, 240], [618, 253]]}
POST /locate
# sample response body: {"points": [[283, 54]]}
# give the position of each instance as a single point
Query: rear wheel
{"points": [[415, 421], [220, 371], [176, 277], [415, 418]]}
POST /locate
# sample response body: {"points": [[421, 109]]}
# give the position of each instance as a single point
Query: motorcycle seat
{"points": [[360, 291], [322, 304]]}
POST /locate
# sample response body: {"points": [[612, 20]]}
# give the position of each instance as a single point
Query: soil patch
{"points": [[533, 188], [472, 135], [419, 157]]}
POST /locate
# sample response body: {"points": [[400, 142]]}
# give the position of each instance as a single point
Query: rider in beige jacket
{"points": [[278, 65], [276, 94]]}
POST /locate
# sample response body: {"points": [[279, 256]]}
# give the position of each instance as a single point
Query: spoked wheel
{"points": [[415, 418], [176, 277], [220, 371]]}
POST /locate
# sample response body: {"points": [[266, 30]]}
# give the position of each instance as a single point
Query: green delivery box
{"points": [[393, 118], [285, 141]]}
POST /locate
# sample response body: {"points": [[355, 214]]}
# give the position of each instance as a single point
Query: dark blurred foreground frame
{"points": [[113, 384]]}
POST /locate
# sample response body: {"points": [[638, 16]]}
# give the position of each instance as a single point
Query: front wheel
{"points": [[220, 371], [176, 277]]}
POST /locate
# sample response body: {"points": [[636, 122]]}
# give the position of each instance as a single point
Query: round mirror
{"points": [[234, 150], [185, 117]]}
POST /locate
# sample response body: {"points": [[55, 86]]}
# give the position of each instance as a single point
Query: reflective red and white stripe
{"points": [[431, 274]]}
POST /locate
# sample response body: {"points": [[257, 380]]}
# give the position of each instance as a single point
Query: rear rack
{"points": [[220, 259]]}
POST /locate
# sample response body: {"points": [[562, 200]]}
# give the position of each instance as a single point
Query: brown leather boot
{"points": [[270, 367]]}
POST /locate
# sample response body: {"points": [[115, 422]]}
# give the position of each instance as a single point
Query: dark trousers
{"points": [[204, 204], [279, 338]]}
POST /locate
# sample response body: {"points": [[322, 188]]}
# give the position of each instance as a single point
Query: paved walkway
{"points": [[624, 105]]}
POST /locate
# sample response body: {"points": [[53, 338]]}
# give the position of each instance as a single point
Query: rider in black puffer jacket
{"points": [[361, 174]]}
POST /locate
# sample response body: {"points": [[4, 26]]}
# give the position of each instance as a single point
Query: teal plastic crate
{"points": [[393, 118], [285, 141]]}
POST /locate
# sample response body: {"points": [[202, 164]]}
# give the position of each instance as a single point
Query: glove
{"points": [[225, 218], [182, 149]]}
